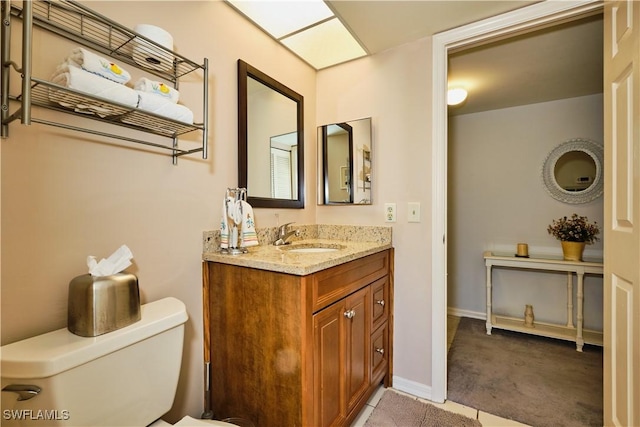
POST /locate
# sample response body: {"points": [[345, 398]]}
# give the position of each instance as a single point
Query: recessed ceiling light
{"points": [[308, 28], [325, 44], [280, 18]]}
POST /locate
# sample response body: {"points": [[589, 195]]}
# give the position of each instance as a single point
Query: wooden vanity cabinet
{"points": [[289, 350]]}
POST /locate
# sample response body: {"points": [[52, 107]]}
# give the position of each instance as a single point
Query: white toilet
{"points": [[123, 378]]}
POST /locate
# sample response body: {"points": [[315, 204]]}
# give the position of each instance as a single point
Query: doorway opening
{"points": [[506, 25]]}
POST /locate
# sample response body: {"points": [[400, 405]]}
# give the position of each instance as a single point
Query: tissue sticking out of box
{"points": [[117, 262]]}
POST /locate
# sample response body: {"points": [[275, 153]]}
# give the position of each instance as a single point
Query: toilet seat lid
{"points": [[54, 352]]}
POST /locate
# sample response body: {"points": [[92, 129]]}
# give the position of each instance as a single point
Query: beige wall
{"points": [[393, 88], [68, 195]]}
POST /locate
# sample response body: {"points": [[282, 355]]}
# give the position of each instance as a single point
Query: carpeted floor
{"points": [[534, 380], [395, 409]]}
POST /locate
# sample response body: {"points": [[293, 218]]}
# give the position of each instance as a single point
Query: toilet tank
{"points": [[123, 378]]}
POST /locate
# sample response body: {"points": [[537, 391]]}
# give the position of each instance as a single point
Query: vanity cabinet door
{"points": [[358, 337], [329, 366], [342, 372]]}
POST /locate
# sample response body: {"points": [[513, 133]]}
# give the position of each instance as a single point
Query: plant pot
{"points": [[572, 251]]}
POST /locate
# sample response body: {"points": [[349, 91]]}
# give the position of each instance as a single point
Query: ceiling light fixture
{"points": [[308, 28], [325, 44], [456, 96]]}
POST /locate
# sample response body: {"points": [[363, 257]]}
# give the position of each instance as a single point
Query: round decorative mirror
{"points": [[572, 172]]}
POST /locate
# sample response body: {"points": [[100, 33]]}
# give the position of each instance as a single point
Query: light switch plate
{"points": [[389, 212], [413, 212]]}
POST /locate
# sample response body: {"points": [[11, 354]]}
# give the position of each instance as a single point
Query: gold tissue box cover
{"points": [[102, 304]]}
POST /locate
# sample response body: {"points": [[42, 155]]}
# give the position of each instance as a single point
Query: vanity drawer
{"points": [[337, 282], [379, 301], [379, 340]]}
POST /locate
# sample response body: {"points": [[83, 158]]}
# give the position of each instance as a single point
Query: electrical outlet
{"points": [[389, 212], [414, 212]]}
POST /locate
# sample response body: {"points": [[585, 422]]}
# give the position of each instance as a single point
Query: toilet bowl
{"points": [[127, 377]]}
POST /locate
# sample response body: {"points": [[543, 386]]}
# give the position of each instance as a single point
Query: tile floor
{"points": [[487, 420]]}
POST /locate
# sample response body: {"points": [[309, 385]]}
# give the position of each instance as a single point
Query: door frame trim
{"points": [[502, 26]]}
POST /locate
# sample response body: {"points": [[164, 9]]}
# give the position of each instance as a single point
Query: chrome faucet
{"points": [[284, 234]]}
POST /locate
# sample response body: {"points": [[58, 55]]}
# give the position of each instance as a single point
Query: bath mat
{"points": [[397, 410]]}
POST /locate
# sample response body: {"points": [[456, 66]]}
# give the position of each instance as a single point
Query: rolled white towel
{"points": [[159, 105], [73, 77], [158, 88], [149, 55], [96, 64]]}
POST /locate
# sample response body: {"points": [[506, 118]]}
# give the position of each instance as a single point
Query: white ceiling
{"points": [[560, 62], [380, 25]]}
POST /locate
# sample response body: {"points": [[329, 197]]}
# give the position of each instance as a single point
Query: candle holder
{"points": [[522, 250]]}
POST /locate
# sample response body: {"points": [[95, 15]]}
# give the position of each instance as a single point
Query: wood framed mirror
{"points": [[270, 140]]}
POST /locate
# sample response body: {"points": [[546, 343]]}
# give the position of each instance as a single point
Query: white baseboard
{"points": [[412, 387], [466, 313], [422, 390]]}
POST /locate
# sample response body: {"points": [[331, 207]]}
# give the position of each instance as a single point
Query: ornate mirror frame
{"points": [[595, 190], [246, 71]]}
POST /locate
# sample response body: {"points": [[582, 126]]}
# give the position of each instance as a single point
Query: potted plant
{"points": [[574, 233]]}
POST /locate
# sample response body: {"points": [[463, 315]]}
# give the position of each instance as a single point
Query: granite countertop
{"points": [[354, 241]]}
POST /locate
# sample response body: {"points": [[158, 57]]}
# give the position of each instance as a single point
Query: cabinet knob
{"points": [[380, 350], [349, 314], [381, 302]]}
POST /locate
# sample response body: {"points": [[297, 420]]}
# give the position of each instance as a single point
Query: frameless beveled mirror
{"points": [[572, 172], [270, 140], [344, 163]]}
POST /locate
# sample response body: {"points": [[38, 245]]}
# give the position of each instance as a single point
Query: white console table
{"points": [[566, 332]]}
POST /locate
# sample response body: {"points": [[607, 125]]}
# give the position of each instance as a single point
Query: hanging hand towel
{"points": [[224, 223], [167, 92], [234, 213], [98, 65], [249, 236]]}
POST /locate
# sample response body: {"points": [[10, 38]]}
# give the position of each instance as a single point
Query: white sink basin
{"points": [[311, 248]]}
